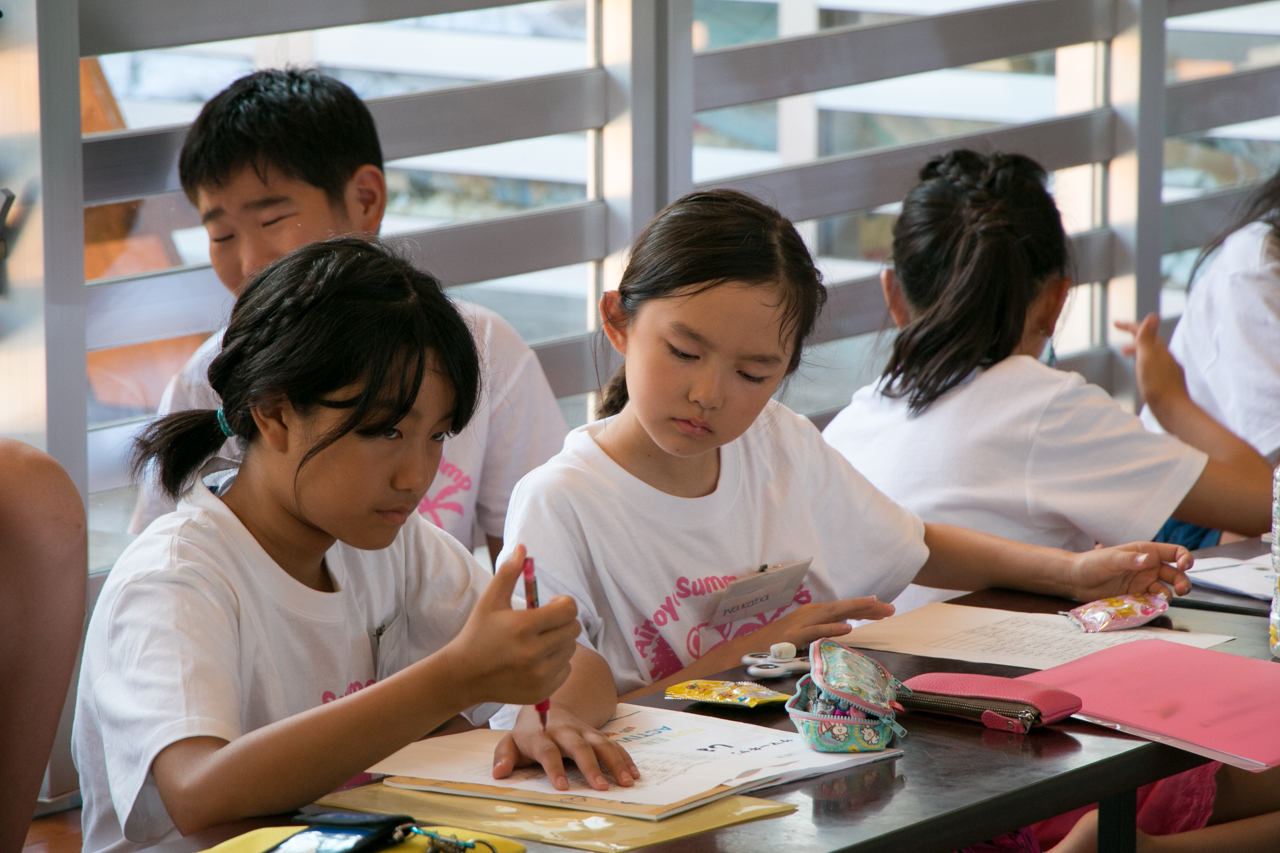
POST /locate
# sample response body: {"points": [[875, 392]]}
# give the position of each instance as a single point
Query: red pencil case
{"points": [[1007, 704]]}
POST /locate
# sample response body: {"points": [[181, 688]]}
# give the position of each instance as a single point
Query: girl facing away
{"points": [[697, 476], [295, 619], [1226, 339], [968, 427]]}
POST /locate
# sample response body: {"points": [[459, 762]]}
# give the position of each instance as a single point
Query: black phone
{"points": [[345, 833]]}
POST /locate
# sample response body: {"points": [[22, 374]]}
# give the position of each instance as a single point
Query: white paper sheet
{"points": [[982, 635], [1252, 577], [680, 755]]}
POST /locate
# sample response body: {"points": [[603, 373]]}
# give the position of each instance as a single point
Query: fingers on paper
{"points": [[614, 758], [505, 757], [589, 749], [547, 753]]}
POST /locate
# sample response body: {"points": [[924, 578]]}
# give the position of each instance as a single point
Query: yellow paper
{"points": [[257, 840], [583, 830]]}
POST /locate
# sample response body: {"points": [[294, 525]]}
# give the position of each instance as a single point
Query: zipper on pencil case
{"points": [[867, 720], [973, 709]]}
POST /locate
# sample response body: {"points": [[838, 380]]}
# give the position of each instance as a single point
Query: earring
{"points": [[1052, 360]]}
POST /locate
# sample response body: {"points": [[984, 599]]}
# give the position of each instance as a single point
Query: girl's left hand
{"points": [[566, 736], [1160, 378], [1133, 569]]}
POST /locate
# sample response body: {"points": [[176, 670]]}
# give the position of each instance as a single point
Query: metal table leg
{"points": [[1117, 819]]}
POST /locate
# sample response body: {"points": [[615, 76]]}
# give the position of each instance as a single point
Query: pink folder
{"points": [[1211, 703]]}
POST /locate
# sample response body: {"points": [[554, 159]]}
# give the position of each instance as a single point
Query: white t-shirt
{"points": [[645, 566], [516, 427], [1228, 340], [198, 632], [1022, 451]]}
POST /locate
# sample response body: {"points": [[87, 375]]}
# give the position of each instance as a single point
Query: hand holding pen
{"points": [[531, 602]]}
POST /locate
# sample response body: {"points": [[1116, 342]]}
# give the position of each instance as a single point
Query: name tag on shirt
{"points": [[762, 591]]}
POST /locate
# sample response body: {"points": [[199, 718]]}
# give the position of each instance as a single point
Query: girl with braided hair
{"points": [[295, 620], [967, 426]]}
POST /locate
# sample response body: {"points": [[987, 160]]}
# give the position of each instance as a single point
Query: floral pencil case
{"points": [[846, 703], [1007, 704]]}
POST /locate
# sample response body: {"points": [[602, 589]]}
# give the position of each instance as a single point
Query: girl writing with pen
{"points": [[295, 620]]}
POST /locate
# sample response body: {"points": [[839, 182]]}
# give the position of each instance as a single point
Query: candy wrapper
{"points": [[745, 693], [1116, 614]]}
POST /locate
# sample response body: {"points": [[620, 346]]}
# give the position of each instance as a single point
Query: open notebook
{"points": [[685, 760]]}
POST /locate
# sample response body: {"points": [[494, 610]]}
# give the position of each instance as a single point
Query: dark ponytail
{"points": [[712, 237], [977, 240], [325, 317]]}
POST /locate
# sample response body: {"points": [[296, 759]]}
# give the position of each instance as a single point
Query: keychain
{"points": [[437, 843]]}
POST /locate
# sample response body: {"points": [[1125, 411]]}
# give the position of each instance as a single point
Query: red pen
{"points": [[531, 601]]}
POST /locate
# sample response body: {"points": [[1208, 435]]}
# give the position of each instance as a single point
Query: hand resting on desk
{"points": [[966, 559], [566, 735], [1132, 569]]}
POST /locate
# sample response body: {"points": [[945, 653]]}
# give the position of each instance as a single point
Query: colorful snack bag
{"points": [[746, 693], [1118, 613]]}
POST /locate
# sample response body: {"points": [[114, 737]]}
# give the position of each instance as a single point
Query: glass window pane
{"points": [[739, 140], [127, 238], [490, 180], [1217, 159], [126, 382], [831, 372], [1210, 44], [109, 514], [540, 305], [168, 86]]}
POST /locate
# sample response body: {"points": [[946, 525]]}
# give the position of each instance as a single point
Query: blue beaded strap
{"points": [[226, 427]]}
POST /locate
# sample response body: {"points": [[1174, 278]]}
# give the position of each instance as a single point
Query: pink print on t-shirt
{"points": [[658, 654], [330, 696], [433, 505]]}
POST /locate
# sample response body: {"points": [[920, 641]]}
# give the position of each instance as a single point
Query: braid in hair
{"points": [[326, 318], [977, 240]]}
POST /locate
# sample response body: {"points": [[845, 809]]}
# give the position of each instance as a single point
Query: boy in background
{"points": [[283, 158]]}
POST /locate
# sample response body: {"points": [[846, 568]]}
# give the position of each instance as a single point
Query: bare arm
{"points": [[1234, 490], [207, 781], [966, 559], [500, 655], [43, 568]]}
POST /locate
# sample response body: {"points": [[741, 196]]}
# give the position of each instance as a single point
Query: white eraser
{"points": [[782, 651]]}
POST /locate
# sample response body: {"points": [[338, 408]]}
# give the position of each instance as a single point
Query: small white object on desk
{"points": [[782, 651], [779, 663]]}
